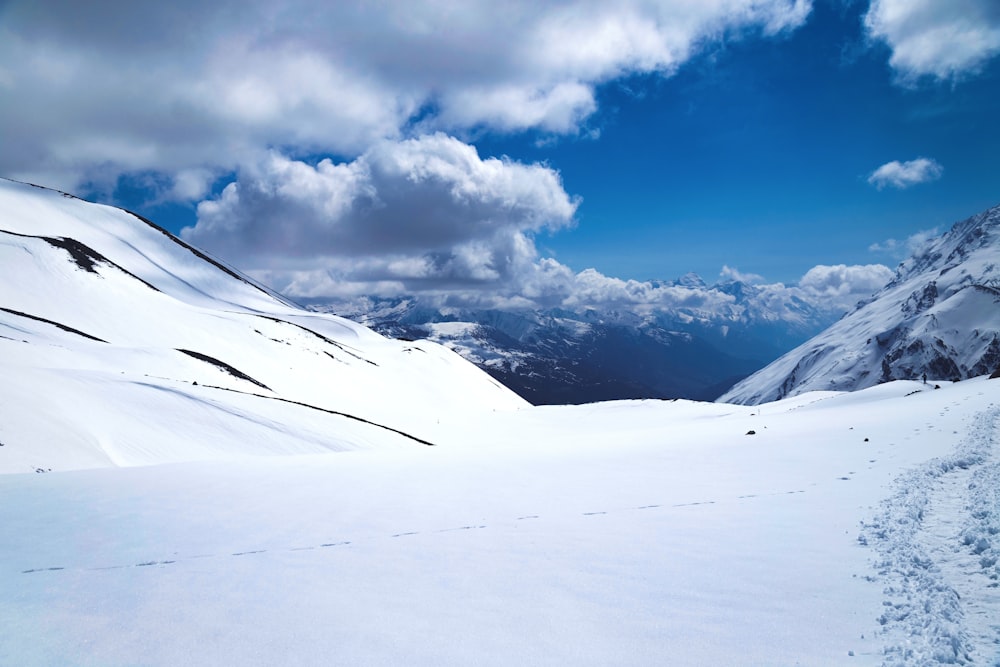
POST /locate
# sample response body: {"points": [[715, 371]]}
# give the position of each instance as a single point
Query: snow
{"points": [[620, 533], [935, 540], [159, 509]]}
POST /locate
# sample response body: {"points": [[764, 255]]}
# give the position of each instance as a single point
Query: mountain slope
{"points": [[115, 335], [939, 316]]}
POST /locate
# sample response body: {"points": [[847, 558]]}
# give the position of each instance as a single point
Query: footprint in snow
{"points": [[449, 530], [42, 569]]}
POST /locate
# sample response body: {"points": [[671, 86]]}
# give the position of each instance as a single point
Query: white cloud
{"points": [[732, 273], [560, 108], [425, 211], [910, 246], [192, 184], [904, 174], [184, 86], [845, 285], [944, 39], [891, 246]]}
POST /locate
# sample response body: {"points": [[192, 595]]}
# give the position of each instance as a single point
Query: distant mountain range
{"points": [[578, 356], [939, 317]]}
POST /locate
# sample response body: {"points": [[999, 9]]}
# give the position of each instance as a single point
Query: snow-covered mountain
{"points": [[939, 317], [120, 344], [582, 355]]}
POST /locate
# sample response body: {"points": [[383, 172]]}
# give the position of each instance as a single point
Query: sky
{"points": [[517, 154]]}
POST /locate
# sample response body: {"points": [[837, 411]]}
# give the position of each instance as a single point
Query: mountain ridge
{"points": [[939, 318]]}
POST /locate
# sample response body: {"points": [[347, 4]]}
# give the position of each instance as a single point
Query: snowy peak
{"points": [[955, 247], [691, 279], [939, 317]]}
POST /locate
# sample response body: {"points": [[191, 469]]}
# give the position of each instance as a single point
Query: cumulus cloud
{"points": [[944, 39], [904, 174], [184, 86], [845, 285], [421, 211]]}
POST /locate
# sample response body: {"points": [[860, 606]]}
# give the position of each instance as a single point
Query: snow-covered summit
{"points": [[939, 316], [117, 340]]}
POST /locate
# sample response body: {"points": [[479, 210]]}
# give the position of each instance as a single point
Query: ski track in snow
{"points": [[937, 541], [176, 558]]}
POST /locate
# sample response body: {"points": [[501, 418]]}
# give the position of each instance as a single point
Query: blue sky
{"points": [[350, 150], [757, 155]]}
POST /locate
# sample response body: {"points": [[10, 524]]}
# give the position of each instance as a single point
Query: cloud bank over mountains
{"points": [[430, 217]]}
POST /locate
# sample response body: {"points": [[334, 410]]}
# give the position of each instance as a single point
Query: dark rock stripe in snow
{"points": [[55, 324], [332, 412], [83, 255], [340, 346], [235, 372]]}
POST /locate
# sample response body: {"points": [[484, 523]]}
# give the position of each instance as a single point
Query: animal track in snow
{"points": [[343, 543]]}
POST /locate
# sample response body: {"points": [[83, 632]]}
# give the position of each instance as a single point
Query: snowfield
{"points": [[195, 472], [848, 529]]}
